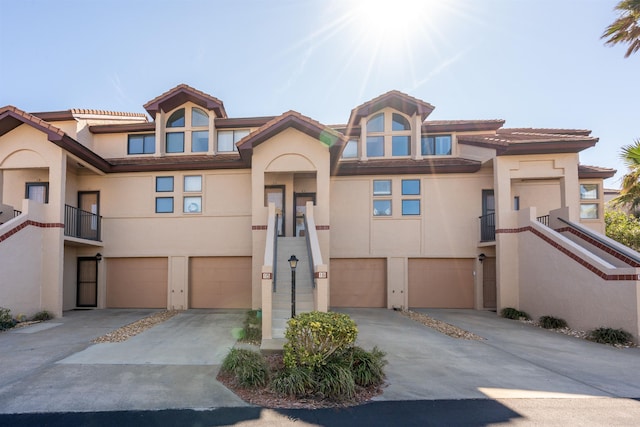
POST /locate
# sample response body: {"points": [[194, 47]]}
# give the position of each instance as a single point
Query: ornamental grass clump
{"points": [[550, 322], [248, 367], [610, 336], [514, 314]]}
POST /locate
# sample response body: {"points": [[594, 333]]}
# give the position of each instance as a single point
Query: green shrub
{"points": [[252, 327], [334, 381], [6, 321], [514, 313], [313, 337], [249, 367], [42, 315], [610, 336], [550, 322], [296, 381], [367, 368]]}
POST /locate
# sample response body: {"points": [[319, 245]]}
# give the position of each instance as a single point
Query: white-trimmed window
{"points": [[381, 197], [187, 126], [388, 134], [192, 202], [589, 193], [227, 139]]}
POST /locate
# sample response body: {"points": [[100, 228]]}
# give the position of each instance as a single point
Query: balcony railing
{"points": [[81, 224], [16, 213], [488, 227], [544, 220]]}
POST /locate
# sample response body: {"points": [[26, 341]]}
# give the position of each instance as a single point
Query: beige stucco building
{"points": [[196, 209]]}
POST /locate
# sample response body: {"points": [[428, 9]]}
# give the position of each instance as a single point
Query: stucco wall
{"points": [[551, 283]]}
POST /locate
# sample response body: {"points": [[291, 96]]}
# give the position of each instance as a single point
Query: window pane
{"points": [[382, 208], [149, 144], [164, 183], [589, 191], [411, 207], [225, 140], [136, 144], [382, 187], [589, 211], [399, 122], [239, 134], [401, 145], [428, 145], [164, 204], [376, 123], [192, 204], [443, 145], [176, 120], [200, 141], [175, 142], [375, 146], [411, 186], [199, 118], [38, 191], [350, 150], [193, 183]]}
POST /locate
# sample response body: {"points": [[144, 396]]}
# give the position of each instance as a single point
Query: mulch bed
{"points": [[267, 398]]}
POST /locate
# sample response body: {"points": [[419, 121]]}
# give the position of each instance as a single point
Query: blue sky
{"points": [[534, 63]]}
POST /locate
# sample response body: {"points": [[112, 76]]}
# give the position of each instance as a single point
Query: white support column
{"points": [[416, 133], [362, 143]]}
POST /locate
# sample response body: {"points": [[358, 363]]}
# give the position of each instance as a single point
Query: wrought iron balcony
{"points": [[81, 224], [488, 227]]}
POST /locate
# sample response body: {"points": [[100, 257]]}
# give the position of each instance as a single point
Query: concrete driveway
{"points": [[53, 367]]}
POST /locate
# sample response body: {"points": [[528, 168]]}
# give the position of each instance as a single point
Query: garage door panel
{"points": [[137, 282], [220, 282], [441, 283], [360, 282]]}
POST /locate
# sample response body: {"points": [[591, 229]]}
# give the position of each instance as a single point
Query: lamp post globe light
{"points": [[293, 263]]}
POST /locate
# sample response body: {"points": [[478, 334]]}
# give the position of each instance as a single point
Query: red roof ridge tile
{"points": [[33, 119], [107, 113]]}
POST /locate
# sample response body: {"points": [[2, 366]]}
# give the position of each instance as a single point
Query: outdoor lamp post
{"points": [[293, 263]]}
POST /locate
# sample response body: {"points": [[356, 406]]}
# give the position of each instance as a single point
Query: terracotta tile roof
{"points": [[395, 99], [20, 117], [461, 125], [587, 171], [583, 132], [408, 166], [181, 94], [516, 142], [107, 113], [333, 140]]}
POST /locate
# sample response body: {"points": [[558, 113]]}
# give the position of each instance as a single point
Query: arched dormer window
{"points": [[388, 132], [195, 136]]}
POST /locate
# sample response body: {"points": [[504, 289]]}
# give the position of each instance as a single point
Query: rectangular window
{"points": [[164, 183], [164, 204], [175, 142], [375, 146], [38, 191], [516, 203], [227, 139], [382, 187], [589, 211], [200, 141], [436, 145], [350, 150], [589, 191], [193, 183], [193, 204], [401, 145], [410, 187], [141, 144], [411, 207], [382, 208]]}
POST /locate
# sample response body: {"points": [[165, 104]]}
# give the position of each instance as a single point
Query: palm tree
{"points": [[630, 192], [625, 29]]}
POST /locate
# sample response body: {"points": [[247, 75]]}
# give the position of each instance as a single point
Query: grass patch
{"points": [[248, 367], [42, 316]]}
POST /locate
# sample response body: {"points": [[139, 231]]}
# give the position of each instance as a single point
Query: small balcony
{"points": [[488, 227], [81, 224]]}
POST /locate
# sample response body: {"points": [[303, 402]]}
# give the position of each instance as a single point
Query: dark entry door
{"points": [[300, 201], [87, 293], [489, 283]]}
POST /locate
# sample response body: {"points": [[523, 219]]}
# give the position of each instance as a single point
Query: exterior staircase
{"points": [[281, 308]]}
